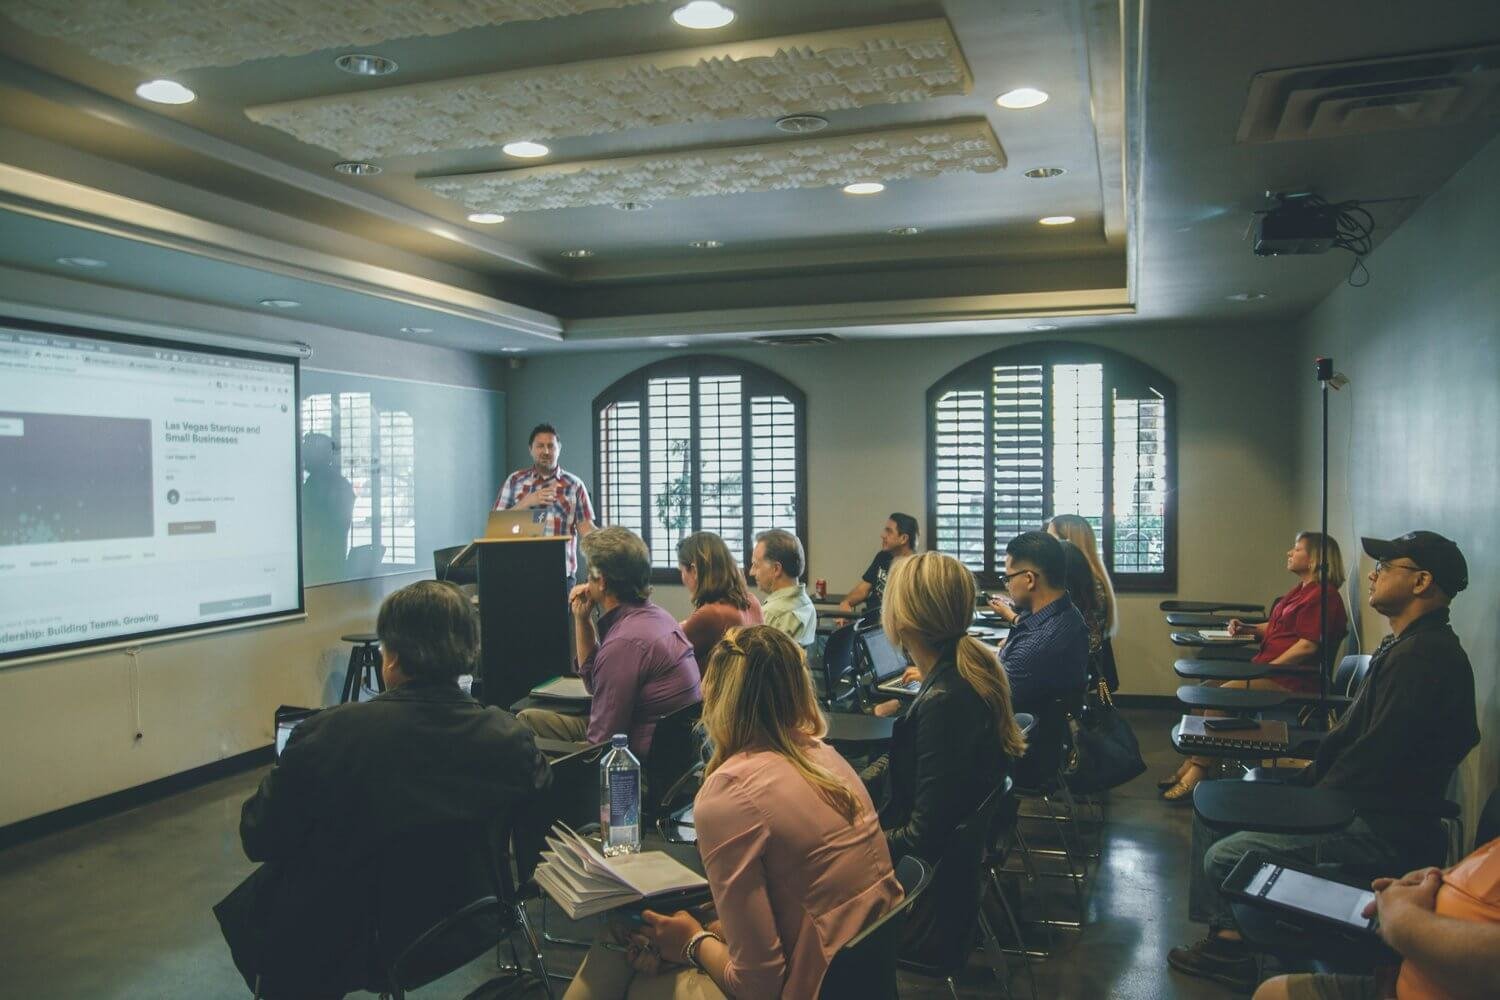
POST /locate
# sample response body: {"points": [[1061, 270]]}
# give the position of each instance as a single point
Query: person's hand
{"points": [[910, 674], [580, 601], [671, 934], [1412, 878], [642, 955], [1237, 627], [1400, 899], [543, 497], [845, 606], [1003, 607], [886, 709]]}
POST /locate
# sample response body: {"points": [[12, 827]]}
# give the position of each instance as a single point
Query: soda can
{"points": [[821, 586]]}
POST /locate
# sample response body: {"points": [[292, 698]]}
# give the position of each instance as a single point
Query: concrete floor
{"points": [[120, 908]]}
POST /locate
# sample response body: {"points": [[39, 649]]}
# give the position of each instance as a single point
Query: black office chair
{"points": [[837, 666], [1039, 776], [947, 934], [865, 967], [466, 932], [676, 752]]}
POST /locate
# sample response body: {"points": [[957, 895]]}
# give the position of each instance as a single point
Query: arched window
{"points": [[701, 444], [1027, 432]]}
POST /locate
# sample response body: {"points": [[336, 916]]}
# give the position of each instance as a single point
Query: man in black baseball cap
{"points": [[1427, 552], [1394, 751]]}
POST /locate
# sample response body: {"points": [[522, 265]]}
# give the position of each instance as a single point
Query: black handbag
{"points": [[1105, 751]]}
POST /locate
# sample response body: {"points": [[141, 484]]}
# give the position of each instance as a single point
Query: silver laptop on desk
{"points": [[887, 663]]}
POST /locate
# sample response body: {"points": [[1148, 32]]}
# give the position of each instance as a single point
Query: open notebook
{"points": [[584, 882]]}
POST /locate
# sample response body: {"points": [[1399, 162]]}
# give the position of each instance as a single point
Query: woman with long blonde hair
{"points": [[954, 745], [789, 839], [1076, 529]]}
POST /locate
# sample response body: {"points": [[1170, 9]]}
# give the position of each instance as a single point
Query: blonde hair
{"points": [[1075, 529], [1317, 545], [931, 596], [758, 695]]}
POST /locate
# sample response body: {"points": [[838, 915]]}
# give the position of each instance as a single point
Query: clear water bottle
{"points": [[620, 799]]}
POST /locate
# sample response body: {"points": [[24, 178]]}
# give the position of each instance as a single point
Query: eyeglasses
{"points": [[1381, 566], [1007, 577]]}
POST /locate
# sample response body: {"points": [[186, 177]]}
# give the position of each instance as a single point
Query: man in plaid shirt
{"points": [[546, 484]]}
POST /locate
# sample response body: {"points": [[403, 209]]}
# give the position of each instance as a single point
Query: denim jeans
{"points": [[1215, 854]]}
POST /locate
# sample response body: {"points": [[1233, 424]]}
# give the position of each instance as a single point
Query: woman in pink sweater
{"points": [[790, 841], [714, 581]]}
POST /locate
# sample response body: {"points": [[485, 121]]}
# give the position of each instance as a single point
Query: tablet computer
{"points": [[288, 718], [1302, 895]]}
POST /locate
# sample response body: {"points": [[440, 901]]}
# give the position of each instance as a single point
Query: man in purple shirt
{"points": [[635, 660]]}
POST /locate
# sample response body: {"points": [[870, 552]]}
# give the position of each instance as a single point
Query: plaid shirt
{"points": [[568, 511]]}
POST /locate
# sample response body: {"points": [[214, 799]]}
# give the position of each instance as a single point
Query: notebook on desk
{"points": [[1268, 736], [562, 689], [1214, 635]]}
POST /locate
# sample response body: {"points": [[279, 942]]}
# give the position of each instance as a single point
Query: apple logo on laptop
{"points": [[515, 529]]}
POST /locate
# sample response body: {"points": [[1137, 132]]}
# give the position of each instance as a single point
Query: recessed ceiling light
{"points": [[904, 230], [632, 206], [1247, 296], [90, 262], [864, 187], [676, 343], [705, 244], [280, 303], [165, 92], [1022, 98], [416, 329], [363, 64], [1057, 220], [356, 168], [801, 124], [578, 254], [703, 14], [525, 149], [1042, 327], [512, 350], [1040, 173], [486, 218]]}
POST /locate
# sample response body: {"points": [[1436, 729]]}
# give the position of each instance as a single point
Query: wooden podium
{"points": [[524, 632]]}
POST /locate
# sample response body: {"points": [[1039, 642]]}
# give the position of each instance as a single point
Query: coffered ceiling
{"points": [[667, 200]]}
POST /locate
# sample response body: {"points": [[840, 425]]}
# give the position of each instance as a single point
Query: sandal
{"points": [[1166, 783], [1179, 791]]}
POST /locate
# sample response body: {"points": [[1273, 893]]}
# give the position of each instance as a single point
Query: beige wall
{"points": [[1415, 438], [69, 724], [866, 440]]}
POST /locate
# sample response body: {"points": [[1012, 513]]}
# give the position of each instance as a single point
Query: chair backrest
{"points": [[574, 796], [940, 940], [427, 885], [441, 558], [1488, 827], [675, 749], [865, 966], [838, 658], [1045, 747]]}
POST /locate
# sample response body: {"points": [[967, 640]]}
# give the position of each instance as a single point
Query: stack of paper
{"points": [[584, 882], [562, 689], [1222, 635]]}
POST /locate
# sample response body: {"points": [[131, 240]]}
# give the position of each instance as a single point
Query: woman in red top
{"points": [[1289, 640], [714, 581]]}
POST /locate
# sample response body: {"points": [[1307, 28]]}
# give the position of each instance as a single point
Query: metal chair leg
{"points": [[998, 965]]}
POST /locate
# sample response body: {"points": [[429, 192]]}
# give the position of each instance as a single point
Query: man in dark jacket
{"points": [[1394, 751], [381, 818]]}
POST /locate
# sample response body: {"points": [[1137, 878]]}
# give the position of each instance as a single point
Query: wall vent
{"points": [[796, 339], [1372, 95]]}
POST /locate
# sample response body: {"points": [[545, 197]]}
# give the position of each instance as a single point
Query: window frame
{"points": [[755, 381], [1118, 369]]}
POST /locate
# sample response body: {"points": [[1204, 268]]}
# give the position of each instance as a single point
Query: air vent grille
{"points": [[1372, 95]]}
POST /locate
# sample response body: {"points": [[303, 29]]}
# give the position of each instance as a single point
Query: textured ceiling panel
{"points": [[895, 155], [827, 71], [167, 35]]}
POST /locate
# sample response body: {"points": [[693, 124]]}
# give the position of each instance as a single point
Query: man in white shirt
{"points": [[777, 565]]}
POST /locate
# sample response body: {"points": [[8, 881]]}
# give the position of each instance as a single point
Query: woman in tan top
{"points": [[714, 581], [790, 842]]}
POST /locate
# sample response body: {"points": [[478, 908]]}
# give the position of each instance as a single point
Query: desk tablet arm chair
{"points": [[837, 671], [1211, 619], [865, 967], [959, 882], [1212, 607]]}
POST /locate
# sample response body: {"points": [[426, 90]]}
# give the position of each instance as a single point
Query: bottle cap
{"points": [[619, 740]]}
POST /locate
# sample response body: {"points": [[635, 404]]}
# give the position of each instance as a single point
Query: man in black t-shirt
{"points": [[898, 538]]}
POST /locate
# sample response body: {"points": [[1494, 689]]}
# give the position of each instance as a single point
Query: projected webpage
{"points": [[143, 488]]}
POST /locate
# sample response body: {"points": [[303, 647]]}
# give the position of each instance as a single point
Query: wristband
{"points": [[690, 952]]}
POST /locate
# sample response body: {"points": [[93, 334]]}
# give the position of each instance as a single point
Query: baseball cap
{"points": [[1430, 551]]}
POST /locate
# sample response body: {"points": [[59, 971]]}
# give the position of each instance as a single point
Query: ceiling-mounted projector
{"points": [[1299, 224]]}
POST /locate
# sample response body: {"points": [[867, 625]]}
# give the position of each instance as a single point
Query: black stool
{"points": [[364, 665]]}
